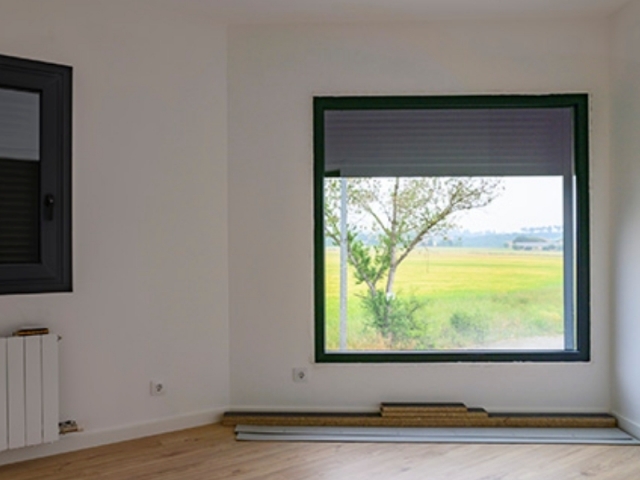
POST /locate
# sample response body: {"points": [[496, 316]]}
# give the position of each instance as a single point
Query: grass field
{"points": [[470, 297]]}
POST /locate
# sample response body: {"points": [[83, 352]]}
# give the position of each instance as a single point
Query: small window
{"points": [[451, 228], [35, 176]]}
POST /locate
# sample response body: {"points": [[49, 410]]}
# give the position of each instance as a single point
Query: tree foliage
{"points": [[399, 213]]}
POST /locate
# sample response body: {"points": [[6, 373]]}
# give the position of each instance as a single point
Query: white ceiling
{"points": [[260, 11]]}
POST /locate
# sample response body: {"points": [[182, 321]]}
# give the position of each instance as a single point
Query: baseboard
{"points": [[80, 441], [627, 425]]}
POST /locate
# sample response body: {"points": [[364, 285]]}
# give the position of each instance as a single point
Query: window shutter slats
{"points": [[448, 142], [19, 213]]}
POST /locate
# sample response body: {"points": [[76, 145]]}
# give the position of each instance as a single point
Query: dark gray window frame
{"points": [[53, 273], [579, 103]]}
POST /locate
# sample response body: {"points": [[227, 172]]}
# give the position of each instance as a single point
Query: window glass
{"points": [[19, 176], [489, 277]]}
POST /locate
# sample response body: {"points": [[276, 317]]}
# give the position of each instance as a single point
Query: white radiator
{"points": [[29, 404]]}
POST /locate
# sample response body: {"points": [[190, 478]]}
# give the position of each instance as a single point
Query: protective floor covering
{"points": [[601, 436]]}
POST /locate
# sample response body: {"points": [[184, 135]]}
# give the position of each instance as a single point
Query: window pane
{"points": [[442, 264], [19, 176], [19, 125]]}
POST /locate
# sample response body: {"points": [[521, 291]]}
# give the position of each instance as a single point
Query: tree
{"points": [[399, 213]]}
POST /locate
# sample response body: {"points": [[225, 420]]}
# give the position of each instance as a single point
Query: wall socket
{"points": [[157, 388], [300, 375]]}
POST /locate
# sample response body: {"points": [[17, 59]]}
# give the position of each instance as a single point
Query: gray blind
{"points": [[19, 125], [449, 142]]}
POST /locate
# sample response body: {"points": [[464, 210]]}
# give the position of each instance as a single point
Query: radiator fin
{"points": [[15, 387], [33, 389], [50, 394], [4, 409]]}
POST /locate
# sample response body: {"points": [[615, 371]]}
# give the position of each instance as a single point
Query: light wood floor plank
{"points": [[211, 452]]}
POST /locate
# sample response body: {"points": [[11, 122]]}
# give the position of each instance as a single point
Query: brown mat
{"points": [[421, 415]]}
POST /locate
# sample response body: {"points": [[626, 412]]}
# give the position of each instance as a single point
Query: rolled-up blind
{"points": [[448, 142]]}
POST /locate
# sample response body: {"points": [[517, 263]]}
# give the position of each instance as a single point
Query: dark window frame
{"points": [[579, 103], [53, 273]]}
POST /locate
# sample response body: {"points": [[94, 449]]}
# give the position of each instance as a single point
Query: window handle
{"points": [[49, 202]]}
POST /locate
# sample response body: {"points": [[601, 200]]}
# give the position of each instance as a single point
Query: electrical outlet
{"points": [[157, 388], [300, 375]]}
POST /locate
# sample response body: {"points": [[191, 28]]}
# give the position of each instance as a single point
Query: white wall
{"points": [[157, 212], [150, 269], [274, 71], [626, 214]]}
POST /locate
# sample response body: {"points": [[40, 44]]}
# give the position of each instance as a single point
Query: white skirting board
{"points": [[88, 439], [601, 436]]}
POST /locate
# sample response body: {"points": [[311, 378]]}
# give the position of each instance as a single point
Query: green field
{"points": [[470, 297]]}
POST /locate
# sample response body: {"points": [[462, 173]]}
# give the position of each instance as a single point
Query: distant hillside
{"points": [[480, 239], [490, 239]]}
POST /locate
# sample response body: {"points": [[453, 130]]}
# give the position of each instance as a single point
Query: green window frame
{"points": [[576, 254]]}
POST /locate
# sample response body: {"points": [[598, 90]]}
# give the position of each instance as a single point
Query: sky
{"points": [[525, 202]]}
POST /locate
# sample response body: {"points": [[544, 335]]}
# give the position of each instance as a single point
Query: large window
{"points": [[451, 228], [35, 176]]}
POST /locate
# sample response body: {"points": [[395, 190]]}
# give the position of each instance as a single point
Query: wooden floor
{"points": [[212, 453]]}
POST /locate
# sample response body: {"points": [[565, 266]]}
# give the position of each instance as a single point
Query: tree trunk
{"points": [[392, 252]]}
